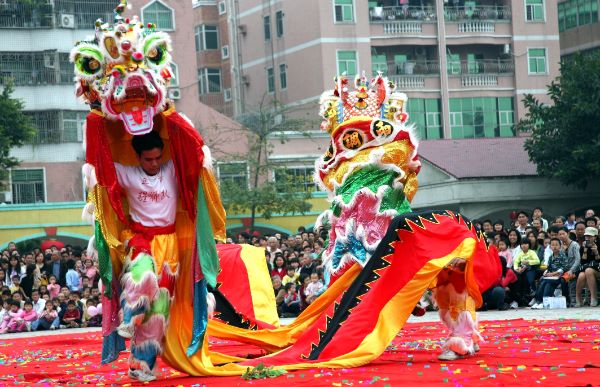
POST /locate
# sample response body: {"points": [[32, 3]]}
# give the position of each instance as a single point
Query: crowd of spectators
{"points": [[47, 290], [58, 288]]}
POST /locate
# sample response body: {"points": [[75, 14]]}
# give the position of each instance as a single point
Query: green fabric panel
{"points": [[104, 263], [207, 252], [142, 264], [161, 304], [373, 178]]}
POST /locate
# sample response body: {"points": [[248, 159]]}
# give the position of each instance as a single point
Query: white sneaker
{"points": [[537, 306], [532, 302], [126, 330], [449, 355], [141, 375], [514, 305]]}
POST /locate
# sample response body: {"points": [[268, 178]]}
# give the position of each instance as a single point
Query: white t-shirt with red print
{"points": [[152, 199]]}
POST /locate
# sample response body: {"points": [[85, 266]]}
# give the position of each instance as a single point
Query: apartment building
{"points": [[578, 26]]}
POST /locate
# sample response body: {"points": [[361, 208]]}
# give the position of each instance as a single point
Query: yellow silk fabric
{"points": [[164, 250]]}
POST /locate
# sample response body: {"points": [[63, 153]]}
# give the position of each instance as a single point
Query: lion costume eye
{"points": [[88, 60], [156, 49]]}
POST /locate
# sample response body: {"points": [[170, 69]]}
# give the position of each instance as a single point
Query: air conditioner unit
{"points": [[246, 79], [174, 94], [67, 20], [5, 197], [420, 51], [243, 29]]}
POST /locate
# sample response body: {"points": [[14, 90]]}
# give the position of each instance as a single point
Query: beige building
{"points": [[578, 26]]}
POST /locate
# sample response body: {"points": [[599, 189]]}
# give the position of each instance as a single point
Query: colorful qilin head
{"points": [[124, 70], [376, 98]]}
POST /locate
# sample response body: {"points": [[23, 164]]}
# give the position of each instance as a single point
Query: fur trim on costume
{"points": [[151, 330], [89, 176], [88, 214], [212, 304], [91, 248], [207, 163], [143, 356]]}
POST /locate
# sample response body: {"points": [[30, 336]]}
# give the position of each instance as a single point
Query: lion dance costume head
{"points": [[125, 70], [370, 169]]}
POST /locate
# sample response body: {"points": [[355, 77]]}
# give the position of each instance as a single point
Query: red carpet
{"points": [[518, 352]]}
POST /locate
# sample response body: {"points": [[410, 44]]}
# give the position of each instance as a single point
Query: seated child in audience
{"points": [[52, 287], [72, 316], [291, 301], [93, 314], [48, 318], [312, 289], [29, 315], [13, 320], [291, 276], [557, 266]]}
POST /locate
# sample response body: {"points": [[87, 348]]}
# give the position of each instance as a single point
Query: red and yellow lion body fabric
{"points": [[123, 73]]}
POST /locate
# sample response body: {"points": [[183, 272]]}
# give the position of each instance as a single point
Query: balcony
{"points": [[481, 73], [414, 75], [490, 13], [398, 21], [71, 14]]}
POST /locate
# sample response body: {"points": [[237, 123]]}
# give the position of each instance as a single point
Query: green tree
{"points": [[565, 135], [15, 129], [263, 195]]}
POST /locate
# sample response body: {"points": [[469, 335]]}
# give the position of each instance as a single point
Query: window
{"points": [[225, 52], [233, 173], [209, 80], [267, 27], [279, 23], [575, 13], [534, 10], [227, 95], [425, 114], [28, 186], [206, 37], [175, 75], [537, 60], [347, 63], [36, 68], [379, 64], [283, 76], [300, 178], [344, 11], [222, 7], [159, 14], [481, 117], [270, 80], [73, 122]]}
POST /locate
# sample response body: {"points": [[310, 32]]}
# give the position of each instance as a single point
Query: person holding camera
{"points": [[589, 271]]}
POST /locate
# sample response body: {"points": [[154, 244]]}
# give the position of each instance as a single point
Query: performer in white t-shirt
{"points": [[152, 261]]}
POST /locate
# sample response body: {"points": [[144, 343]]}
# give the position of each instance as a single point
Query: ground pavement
{"points": [[559, 347]]}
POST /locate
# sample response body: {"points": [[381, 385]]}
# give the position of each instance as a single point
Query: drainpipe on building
{"points": [[444, 94]]}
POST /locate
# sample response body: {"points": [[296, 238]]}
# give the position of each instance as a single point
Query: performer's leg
{"points": [[140, 286], [147, 342], [457, 312]]}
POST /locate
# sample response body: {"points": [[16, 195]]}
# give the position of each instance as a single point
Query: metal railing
{"points": [[480, 12], [482, 66], [54, 13], [35, 68], [56, 126], [384, 14], [422, 67]]}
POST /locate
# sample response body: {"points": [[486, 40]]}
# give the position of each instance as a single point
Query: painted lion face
{"points": [[124, 70]]}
